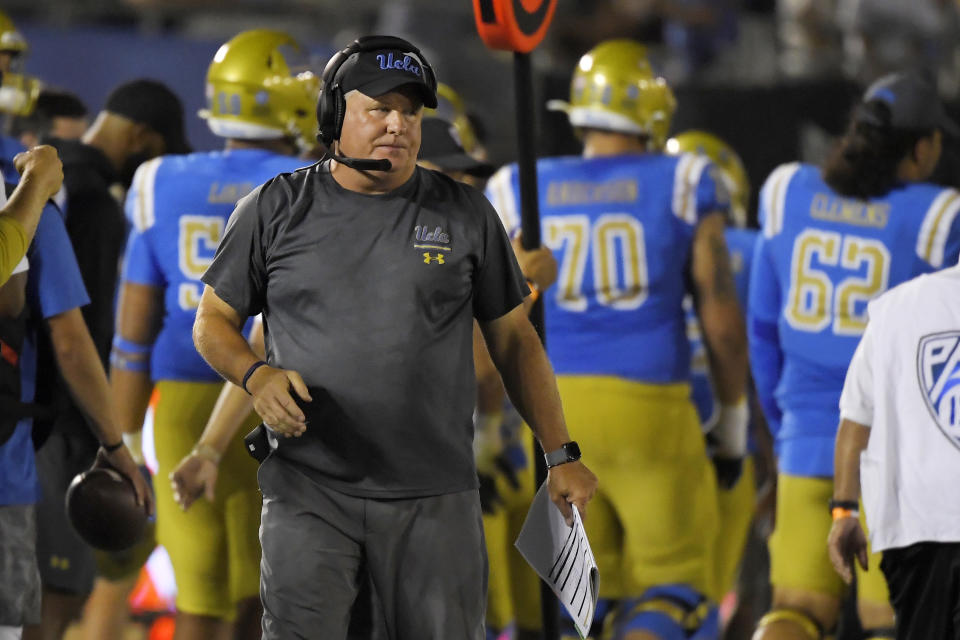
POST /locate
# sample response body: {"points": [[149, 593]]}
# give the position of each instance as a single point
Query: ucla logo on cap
{"points": [[938, 370], [407, 63]]}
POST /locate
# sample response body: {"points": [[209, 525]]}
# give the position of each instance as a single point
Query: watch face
{"points": [[573, 451]]}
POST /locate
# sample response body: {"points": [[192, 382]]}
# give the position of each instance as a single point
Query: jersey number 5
{"points": [[814, 302], [615, 247], [199, 237]]}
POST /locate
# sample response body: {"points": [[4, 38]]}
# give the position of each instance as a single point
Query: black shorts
{"points": [[924, 581], [66, 562], [424, 558]]}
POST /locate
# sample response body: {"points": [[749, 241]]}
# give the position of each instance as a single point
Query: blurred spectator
{"points": [[809, 39], [882, 36], [58, 114], [696, 31]]}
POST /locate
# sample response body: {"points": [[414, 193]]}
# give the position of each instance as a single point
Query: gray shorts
{"points": [[66, 562], [425, 558], [19, 578]]}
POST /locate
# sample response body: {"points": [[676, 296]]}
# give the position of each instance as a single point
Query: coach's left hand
{"points": [[571, 483]]}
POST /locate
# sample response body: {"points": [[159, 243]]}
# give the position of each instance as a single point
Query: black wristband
{"points": [[110, 448], [256, 365], [851, 505]]}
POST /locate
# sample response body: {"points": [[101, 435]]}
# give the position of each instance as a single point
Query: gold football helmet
{"points": [[11, 40], [451, 107], [19, 92], [258, 89], [614, 89], [731, 168]]}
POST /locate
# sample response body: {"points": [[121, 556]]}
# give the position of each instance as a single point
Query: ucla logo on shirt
{"points": [[432, 240], [938, 370]]}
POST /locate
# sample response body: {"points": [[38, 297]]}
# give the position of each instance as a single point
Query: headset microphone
{"points": [[361, 164]]}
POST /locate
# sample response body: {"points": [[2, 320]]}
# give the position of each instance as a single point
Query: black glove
{"points": [[728, 471], [489, 496]]}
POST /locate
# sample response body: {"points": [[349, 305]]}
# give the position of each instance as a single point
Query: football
{"points": [[102, 507]]}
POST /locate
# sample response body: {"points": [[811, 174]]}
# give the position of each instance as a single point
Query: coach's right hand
{"points": [[41, 165], [273, 402]]}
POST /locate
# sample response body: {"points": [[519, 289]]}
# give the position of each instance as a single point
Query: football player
{"points": [[737, 486], [630, 227], [833, 238], [178, 207]]}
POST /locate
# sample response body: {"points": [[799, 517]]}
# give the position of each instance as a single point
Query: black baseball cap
{"points": [[913, 102], [374, 73], [439, 145], [151, 103]]}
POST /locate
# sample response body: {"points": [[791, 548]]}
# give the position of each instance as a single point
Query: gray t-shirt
{"points": [[371, 298]]}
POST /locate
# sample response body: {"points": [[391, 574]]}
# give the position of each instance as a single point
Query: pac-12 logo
{"points": [[938, 369]]}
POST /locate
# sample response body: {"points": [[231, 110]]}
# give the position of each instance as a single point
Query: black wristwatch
{"points": [[569, 452]]}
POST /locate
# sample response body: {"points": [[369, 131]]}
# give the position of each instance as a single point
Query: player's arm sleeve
{"points": [[238, 271], [502, 193], [139, 205], [55, 284], [499, 285], [139, 262], [856, 400], [951, 243], [712, 194], [13, 246], [763, 311], [698, 190]]}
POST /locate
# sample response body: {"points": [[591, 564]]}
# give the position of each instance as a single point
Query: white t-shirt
{"points": [[904, 383]]}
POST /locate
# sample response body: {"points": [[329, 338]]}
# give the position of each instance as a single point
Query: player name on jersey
{"points": [[228, 193], [857, 212], [574, 192]]}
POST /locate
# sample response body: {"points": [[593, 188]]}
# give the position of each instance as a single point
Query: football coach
{"points": [[369, 272]]}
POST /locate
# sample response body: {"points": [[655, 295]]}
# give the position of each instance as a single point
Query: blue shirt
{"points": [[178, 207], [54, 285], [621, 230], [819, 260]]}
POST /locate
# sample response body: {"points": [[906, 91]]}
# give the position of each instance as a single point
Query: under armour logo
{"points": [[427, 258]]}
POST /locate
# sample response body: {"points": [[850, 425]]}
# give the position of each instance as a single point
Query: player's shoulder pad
{"points": [[773, 196], [141, 198], [942, 206], [503, 194], [687, 172]]}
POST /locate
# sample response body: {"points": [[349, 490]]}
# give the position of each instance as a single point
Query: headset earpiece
{"points": [[341, 108]]}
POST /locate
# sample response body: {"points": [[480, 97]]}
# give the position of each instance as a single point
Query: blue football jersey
{"points": [[820, 259], [621, 229], [740, 245], [178, 207]]}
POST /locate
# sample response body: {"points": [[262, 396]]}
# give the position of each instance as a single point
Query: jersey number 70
{"points": [[614, 245]]}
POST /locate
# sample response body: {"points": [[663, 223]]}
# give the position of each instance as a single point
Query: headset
{"points": [[332, 104]]}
